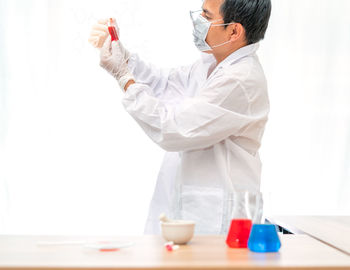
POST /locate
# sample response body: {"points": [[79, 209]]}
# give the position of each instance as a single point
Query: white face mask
{"points": [[201, 28]]}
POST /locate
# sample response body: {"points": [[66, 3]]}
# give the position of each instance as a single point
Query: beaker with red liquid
{"points": [[238, 234], [247, 208], [112, 29]]}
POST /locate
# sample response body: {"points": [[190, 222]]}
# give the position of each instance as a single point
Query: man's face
{"points": [[217, 34]]}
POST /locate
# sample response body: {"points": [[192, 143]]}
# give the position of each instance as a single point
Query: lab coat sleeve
{"points": [[220, 110], [157, 79]]}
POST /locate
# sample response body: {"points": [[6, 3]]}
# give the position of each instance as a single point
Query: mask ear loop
{"points": [[215, 46], [222, 24]]}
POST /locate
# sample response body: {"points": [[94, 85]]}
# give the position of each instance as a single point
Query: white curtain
{"points": [[73, 162]]}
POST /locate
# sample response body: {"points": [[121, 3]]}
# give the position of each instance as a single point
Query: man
{"points": [[209, 117]]}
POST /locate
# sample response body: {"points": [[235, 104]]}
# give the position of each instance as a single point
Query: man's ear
{"points": [[237, 32]]}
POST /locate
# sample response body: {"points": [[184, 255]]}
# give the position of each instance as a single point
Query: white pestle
{"points": [[163, 218]]}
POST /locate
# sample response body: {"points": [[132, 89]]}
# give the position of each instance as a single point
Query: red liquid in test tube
{"points": [[112, 29]]}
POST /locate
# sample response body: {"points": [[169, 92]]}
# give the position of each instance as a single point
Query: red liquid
{"points": [[108, 250], [113, 32], [238, 234]]}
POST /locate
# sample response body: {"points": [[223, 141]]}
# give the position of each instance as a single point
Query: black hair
{"points": [[253, 15]]}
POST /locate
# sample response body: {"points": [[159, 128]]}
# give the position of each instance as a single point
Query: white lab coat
{"points": [[210, 120]]}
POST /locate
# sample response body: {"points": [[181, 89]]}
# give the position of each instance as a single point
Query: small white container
{"points": [[178, 231]]}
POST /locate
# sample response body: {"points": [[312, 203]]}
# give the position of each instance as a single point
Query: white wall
{"points": [[306, 150]]}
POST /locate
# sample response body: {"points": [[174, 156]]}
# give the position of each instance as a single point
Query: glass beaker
{"points": [[247, 208], [264, 238]]}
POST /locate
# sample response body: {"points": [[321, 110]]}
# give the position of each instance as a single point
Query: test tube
{"points": [[112, 29]]}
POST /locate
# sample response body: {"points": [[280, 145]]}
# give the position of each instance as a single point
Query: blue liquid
{"points": [[264, 238]]}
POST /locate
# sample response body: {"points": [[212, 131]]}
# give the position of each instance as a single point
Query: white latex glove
{"points": [[114, 58], [99, 33]]}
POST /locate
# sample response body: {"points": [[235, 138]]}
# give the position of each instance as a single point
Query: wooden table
{"points": [[332, 230], [203, 252]]}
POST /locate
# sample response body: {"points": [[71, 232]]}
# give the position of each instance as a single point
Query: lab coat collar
{"points": [[239, 54], [233, 57], [208, 58]]}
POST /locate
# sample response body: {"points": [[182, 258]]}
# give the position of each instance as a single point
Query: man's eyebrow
{"points": [[207, 12]]}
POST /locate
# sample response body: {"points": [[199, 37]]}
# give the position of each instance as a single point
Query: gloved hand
{"points": [[114, 58], [99, 33]]}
